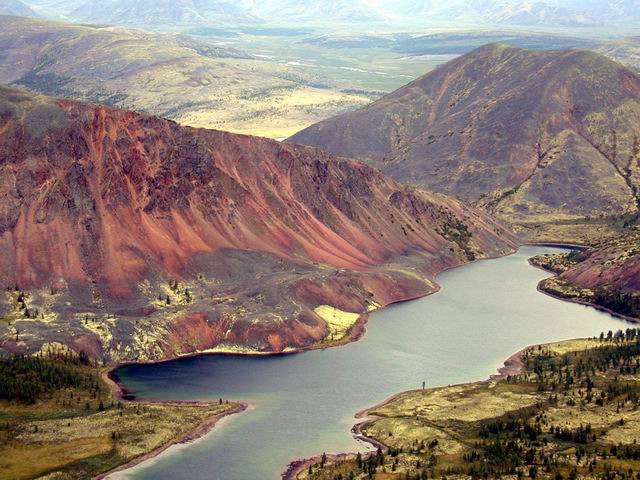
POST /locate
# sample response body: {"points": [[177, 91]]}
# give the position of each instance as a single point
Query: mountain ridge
{"points": [[132, 238], [16, 8], [193, 81], [500, 126]]}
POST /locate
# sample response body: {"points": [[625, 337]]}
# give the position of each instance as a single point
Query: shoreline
{"points": [[551, 244], [513, 365], [357, 332], [579, 301], [200, 431], [119, 393], [595, 306]]}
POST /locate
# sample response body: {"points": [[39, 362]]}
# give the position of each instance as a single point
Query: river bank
{"points": [[76, 423], [576, 299], [118, 392], [356, 333], [457, 429], [306, 401], [513, 365], [198, 432]]}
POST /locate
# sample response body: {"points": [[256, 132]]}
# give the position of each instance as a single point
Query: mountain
{"points": [[534, 137], [526, 13], [607, 275], [161, 12], [315, 10], [16, 8], [55, 9], [490, 12], [623, 50], [609, 10], [184, 13], [191, 81], [132, 238]]}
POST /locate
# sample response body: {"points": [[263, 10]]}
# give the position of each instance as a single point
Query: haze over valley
{"points": [[275, 67]]}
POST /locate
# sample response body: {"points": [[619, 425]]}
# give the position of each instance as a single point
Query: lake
{"points": [[304, 405]]}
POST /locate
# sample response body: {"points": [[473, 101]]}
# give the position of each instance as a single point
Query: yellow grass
{"points": [[278, 113], [471, 402], [25, 461], [339, 322]]}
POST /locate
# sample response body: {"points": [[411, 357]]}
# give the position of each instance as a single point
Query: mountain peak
{"points": [[518, 132]]}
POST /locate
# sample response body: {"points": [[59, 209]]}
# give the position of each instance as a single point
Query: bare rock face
{"points": [[615, 263], [133, 238], [529, 136], [607, 275]]}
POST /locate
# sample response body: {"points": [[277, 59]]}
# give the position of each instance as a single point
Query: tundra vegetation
{"points": [[571, 412], [59, 418]]}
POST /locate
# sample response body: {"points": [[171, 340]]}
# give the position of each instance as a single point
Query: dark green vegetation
{"points": [[58, 416], [572, 412], [620, 301], [26, 379]]}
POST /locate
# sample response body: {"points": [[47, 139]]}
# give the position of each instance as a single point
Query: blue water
{"points": [[303, 405]]}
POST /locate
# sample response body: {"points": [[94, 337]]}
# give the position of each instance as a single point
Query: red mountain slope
{"points": [[607, 274], [104, 211]]}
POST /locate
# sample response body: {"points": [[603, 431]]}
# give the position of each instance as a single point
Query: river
{"points": [[303, 405]]}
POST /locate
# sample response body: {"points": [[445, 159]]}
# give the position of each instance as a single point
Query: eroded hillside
{"points": [[132, 238], [607, 275], [542, 139]]}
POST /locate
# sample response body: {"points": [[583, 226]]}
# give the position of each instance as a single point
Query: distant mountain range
{"points": [[172, 75], [177, 13], [17, 8], [314, 10], [534, 137], [162, 12], [207, 12], [497, 12]]}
